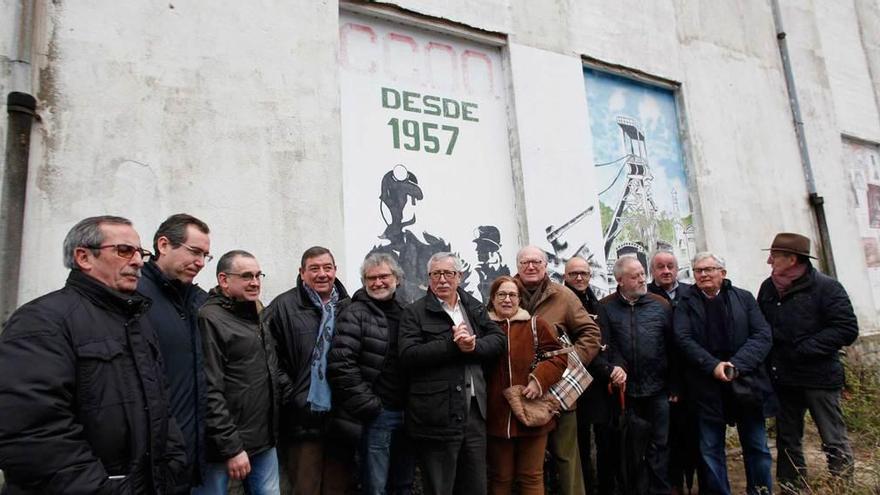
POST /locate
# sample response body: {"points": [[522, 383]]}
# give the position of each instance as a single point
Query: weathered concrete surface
{"points": [[819, 67], [229, 113]]}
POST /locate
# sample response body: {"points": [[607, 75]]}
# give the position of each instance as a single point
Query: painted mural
{"points": [[640, 174], [425, 152], [863, 162]]}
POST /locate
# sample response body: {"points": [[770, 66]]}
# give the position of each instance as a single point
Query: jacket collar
{"points": [[249, 310], [99, 294], [643, 299], [175, 289], [361, 296], [432, 303], [550, 288], [521, 315], [304, 300], [803, 282]]}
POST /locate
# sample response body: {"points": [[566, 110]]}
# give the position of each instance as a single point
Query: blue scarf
{"points": [[319, 389]]}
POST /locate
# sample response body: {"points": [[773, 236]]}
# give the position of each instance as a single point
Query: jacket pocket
{"points": [[98, 373], [429, 403]]}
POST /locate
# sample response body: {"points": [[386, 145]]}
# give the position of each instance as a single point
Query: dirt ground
{"points": [[866, 474]]}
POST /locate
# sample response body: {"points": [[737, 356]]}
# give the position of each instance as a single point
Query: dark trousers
{"points": [[599, 481], [655, 410], [456, 467], [320, 467], [684, 448], [824, 407]]}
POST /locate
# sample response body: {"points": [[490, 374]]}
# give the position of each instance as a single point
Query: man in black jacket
{"points": [[83, 405], [240, 368], [684, 448], [182, 248], [302, 322], [664, 276], [368, 385], [725, 341], [640, 331], [595, 405], [812, 319], [445, 339]]}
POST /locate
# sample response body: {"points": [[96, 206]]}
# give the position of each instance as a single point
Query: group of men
{"points": [[132, 379], [688, 360]]}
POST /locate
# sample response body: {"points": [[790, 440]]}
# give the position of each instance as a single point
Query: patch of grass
{"points": [[861, 400]]}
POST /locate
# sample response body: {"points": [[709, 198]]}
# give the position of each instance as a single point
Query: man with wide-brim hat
{"points": [[812, 319]]}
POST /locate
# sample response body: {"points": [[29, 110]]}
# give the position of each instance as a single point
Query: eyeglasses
{"points": [[438, 274], [577, 275], [709, 270], [249, 276], [198, 253], [126, 251], [379, 278], [500, 296], [536, 263]]}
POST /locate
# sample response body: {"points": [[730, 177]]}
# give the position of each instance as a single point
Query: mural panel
{"points": [[425, 152], [640, 175], [863, 163]]}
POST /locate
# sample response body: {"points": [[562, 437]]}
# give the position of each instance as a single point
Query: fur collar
{"points": [[521, 315]]}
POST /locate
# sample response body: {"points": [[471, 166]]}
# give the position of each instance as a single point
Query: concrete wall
{"points": [[232, 113]]}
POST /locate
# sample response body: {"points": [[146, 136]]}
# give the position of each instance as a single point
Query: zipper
{"points": [[509, 375], [634, 339]]}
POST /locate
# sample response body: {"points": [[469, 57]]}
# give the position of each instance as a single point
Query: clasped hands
{"points": [[463, 338]]}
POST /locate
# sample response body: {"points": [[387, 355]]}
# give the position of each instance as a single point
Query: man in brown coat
{"points": [[559, 305]]}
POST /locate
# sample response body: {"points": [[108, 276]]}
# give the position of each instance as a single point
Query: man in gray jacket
{"points": [[240, 366]]}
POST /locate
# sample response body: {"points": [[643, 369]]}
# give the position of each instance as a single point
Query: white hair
{"points": [[456, 262], [705, 255]]}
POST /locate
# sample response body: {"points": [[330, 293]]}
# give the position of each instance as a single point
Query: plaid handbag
{"points": [[575, 378]]}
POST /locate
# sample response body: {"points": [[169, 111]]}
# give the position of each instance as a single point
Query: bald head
{"points": [[578, 273]]}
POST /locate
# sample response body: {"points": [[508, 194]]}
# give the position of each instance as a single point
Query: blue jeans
{"points": [[388, 462], [262, 480], [756, 455]]}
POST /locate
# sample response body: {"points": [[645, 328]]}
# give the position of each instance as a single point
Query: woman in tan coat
{"points": [[516, 451]]}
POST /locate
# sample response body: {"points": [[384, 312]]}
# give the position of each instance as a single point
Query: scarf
{"points": [[319, 388], [785, 278], [530, 297]]}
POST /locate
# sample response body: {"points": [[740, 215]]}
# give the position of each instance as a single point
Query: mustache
{"points": [[136, 273]]}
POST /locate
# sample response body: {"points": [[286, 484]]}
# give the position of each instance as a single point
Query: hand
{"points": [[618, 376], [718, 373], [532, 390], [466, 343], [673, 399], [463, 338], [239, 466]]}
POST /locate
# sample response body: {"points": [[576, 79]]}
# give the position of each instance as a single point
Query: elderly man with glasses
{"points": [[241, 372], [725, 341], [559, 306], [445, 339], [83, 404], [182, 249]]}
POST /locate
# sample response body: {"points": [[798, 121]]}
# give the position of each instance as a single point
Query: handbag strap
{"points": [[535, 342]]}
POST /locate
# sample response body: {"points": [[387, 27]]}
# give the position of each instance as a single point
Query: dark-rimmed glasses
{"points": [[709, 270], [577, 275], [249, 276], [126, 251], [436, 275], [500, 296]]}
